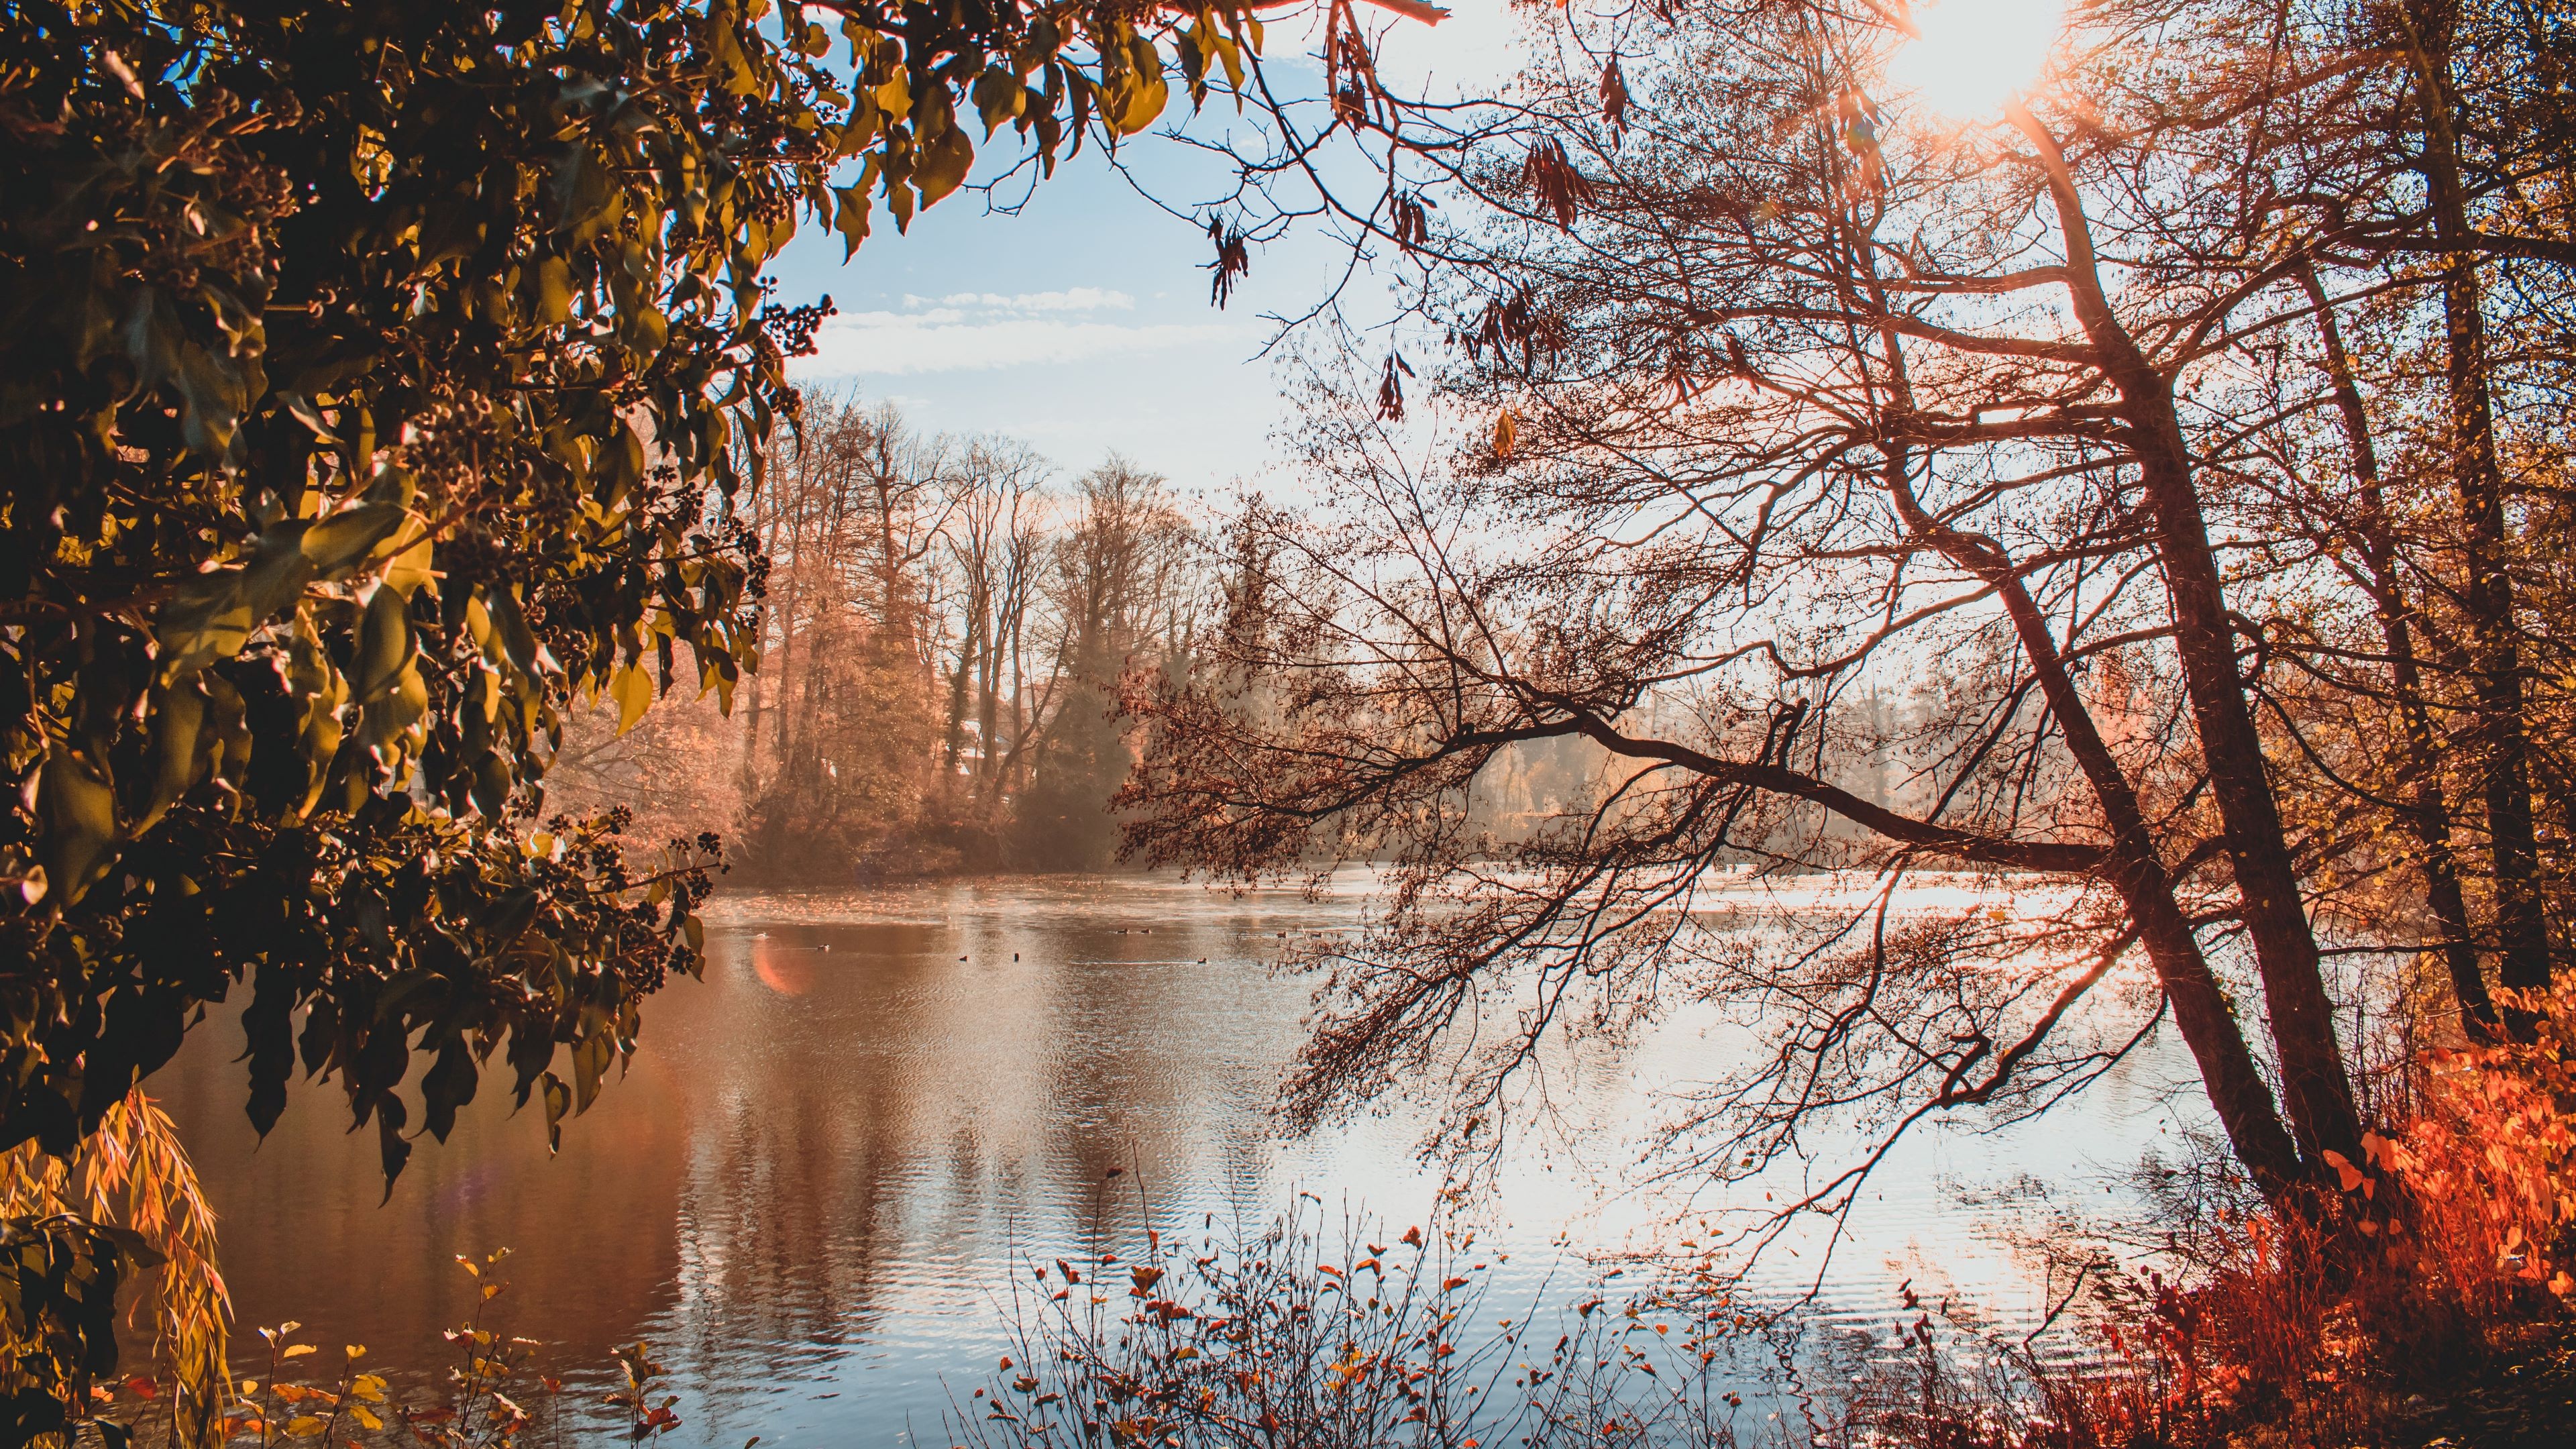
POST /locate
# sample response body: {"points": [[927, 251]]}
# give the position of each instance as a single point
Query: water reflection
{"points": [[826, 1155]]}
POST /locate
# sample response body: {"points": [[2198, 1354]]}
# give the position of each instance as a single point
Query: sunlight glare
{"points": [[1976, 54]]}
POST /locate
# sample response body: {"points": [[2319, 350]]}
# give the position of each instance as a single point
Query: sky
{"points": [[1082, 323]]}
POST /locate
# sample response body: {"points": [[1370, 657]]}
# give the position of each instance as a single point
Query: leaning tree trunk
{"points": [[2314, 1079], [2209, 1028]]}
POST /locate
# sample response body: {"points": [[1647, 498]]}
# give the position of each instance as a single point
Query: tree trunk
{"points": [[2313, 1077], [2227, 1069], [2430, 815], [967, 652], [2504, 750], [988, 718]]}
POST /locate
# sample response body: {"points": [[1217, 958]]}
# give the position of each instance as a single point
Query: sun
{"points": [[1973, 55]]}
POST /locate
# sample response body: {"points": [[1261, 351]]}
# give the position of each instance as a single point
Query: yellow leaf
{"points": [[895, 96], [359, 1413], [299, 1350], [633, 689], [1506, 433], [304, 1426], [554, 291], [407, 571]]}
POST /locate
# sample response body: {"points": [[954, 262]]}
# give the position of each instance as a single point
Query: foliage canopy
{"points": [[369, 376]]}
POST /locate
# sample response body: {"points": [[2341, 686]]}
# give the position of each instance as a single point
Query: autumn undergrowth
{"points": [[1352, 1335], [2428, 1295], [2422, 1298], [312, 1396]]}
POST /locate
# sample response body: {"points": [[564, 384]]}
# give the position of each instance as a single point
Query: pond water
{"points": [[814, 1180]]}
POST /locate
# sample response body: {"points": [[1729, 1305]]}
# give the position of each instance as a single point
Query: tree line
{"points": [[942, 633], [946, 628]]}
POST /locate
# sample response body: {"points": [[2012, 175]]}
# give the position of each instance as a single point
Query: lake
{"points": [[827, 1156]]}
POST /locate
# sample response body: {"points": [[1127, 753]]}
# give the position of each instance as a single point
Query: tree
{"points": [[855, 511], [944, 632], [367, 394], [992, 547], [1788, 388], [1117, 597]]}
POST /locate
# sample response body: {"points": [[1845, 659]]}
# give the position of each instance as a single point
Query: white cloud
{"points": [[1071, 299], [967, 331]]}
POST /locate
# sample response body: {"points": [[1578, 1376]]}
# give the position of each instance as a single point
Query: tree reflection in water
{"points": [[827, 1156]]}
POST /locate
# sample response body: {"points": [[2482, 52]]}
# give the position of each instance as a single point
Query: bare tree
{"points": [[1118, 603], [1781, 390]]}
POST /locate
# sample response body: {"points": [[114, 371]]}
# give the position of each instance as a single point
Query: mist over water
{"points": [[810, 1190]]}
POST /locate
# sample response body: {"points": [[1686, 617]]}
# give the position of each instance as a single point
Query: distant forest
{"points": [[943, 631], [945, 628]]}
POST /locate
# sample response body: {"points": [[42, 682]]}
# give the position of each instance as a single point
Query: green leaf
{"points": [[850, 215], [490, 790], [619, 465], [998, 96], [204, 621], [584, 190], [277, 573], [946, 156], [178, 714], [408, 568], [310, 416], [517, 642], [212, 396], [552, 279], [590, 1058], [1148, 93], [448, 1085], [558, 1102], [151, 343]]}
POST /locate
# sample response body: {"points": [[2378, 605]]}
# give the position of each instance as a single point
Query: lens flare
{"points": [[784, 970], [1973, 55]]}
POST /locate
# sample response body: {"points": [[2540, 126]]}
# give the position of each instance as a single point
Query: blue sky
{"points": [[1082, 323]]}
